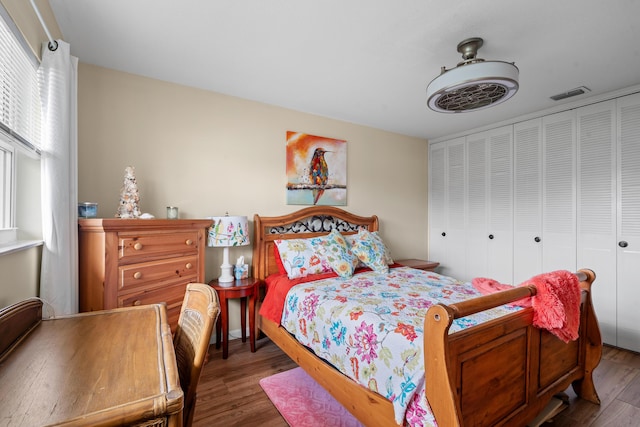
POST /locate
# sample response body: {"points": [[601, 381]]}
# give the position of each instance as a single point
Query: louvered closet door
{"points": [[456, 239], [527, 200], [476, 202], [558, 192], [596, 208], [499, 233], [437, 202], [489, 249], [447, 234], [628, 240]]}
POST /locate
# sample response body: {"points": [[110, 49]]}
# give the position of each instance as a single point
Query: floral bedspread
{"points": [[370, 327]]}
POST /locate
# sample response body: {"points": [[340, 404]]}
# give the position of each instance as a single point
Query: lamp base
{"points": [[226, 275]]}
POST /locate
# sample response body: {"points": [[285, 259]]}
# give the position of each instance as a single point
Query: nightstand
{"points": [[420, 264], [243, 289]]}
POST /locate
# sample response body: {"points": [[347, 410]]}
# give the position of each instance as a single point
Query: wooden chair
{"points": [[200, 309]]}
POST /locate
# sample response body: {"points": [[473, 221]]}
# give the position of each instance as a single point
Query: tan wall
{"points": [[19, 275], [209, 154], [27, 21]]}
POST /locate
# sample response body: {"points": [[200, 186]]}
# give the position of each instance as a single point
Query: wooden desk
{"points": [[101, 368]]}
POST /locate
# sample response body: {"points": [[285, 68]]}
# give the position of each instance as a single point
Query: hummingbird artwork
{"points": [[318, 173]]}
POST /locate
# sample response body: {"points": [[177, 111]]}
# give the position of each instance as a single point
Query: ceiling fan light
{"points": [[474, 84]]}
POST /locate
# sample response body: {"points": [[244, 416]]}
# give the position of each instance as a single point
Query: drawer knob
{"points": [[137, 275], [137, 302], [137, 246], [189, 266], [189, 242]]}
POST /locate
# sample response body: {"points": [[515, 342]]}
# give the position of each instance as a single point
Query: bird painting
{"points": [[318, 173], [316, 170]]}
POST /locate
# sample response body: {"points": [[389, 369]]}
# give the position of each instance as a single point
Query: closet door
{"points": [[596, 208], [558, 192], [489, 205], [437, 202], [628, 219], [500, 209], [476, 202], [527, 200], [446, 206]]}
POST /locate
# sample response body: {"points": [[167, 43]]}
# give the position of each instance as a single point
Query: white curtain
{"points": [[58, 85]]}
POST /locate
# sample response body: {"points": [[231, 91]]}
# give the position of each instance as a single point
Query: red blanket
{"points": [[556, 305], [278, 286]]}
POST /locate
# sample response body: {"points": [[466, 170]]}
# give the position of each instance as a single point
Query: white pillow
{"points": [[299, 258]]}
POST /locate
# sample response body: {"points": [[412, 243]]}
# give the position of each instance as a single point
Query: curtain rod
{"points": [[53, 45]]}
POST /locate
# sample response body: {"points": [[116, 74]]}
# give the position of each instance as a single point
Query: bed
{"points": [[501, 371]]}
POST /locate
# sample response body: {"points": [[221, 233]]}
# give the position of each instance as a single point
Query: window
{"points": [[20, 127], [19, 91]]}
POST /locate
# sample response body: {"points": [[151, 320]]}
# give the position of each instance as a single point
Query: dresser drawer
{"points": [[136, 247], [157, 273], [172, 296]]}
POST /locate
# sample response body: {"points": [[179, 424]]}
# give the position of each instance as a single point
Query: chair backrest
{"points": [[200, 309]]}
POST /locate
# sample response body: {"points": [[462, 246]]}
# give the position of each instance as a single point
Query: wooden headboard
{"points": [[304, 223]]}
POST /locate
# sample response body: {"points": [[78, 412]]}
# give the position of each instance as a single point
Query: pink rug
{"points": [[304, 403]]}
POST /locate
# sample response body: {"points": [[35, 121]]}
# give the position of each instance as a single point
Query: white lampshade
{"points": [[228, 231]]}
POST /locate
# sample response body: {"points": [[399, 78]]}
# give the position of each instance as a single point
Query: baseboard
{"points": [[234, 334]]}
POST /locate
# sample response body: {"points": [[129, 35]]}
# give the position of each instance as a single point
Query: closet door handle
{"points": [[537, 239], [444, 234], [491, 236], [623, 244]]}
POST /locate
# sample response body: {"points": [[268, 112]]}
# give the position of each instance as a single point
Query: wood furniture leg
{"points": [[243, 318], [252, 320], [585, 387], [224, 319], [218, 331]]}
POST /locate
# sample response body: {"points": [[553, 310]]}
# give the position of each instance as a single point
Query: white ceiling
{"points": [[362, 61]]}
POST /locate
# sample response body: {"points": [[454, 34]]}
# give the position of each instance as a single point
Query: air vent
{"points": [[573, 92]]}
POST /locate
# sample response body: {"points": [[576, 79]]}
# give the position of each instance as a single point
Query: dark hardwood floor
{"points": [[229, 393]]}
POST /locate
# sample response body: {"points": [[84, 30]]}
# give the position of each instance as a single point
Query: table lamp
{"points": [[228, 231]]}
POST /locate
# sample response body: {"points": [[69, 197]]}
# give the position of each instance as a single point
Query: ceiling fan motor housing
{"points": [[474, 83]]}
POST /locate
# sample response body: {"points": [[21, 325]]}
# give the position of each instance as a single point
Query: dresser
{"points": [[130, 262]]}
